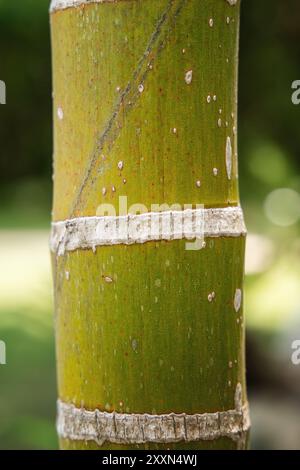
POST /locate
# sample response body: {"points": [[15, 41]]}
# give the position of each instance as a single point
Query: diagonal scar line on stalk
{"points": [[130, 95]]}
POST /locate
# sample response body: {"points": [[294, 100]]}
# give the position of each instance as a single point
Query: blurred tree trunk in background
{"points": [[149, 334]]}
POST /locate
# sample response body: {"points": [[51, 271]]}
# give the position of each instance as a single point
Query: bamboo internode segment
{"points": [[91, 232], [79, 424]]}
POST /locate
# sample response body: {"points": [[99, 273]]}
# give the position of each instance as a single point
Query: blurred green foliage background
{"points": [[269, 146]]}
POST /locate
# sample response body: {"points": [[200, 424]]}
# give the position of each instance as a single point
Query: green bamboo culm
{"points": [[149, 328]]}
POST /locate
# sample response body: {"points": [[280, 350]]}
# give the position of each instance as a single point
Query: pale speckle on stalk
{"points": [[230, 365], [198, 184], [174, 130], [215, 171], [219, 122], [232, 2], [60, 113], [228, 157], [121, 165], [211, 22], [215, 97], [134, 345], [104, 191], [237, 300], [208, 99], [141, 88], [157, 283], [124, 180], [189, 77], [108, 279], [211, 296], [67, 274], [227, 20], [113, 188]]}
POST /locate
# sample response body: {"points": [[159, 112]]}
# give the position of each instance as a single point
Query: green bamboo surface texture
{"points": [[149, 341]]}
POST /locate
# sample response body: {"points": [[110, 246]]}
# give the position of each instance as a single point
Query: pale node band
{"points": [[90, 232], [79, 424], [63, 4]]}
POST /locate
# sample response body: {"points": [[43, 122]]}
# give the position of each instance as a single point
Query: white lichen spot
{"points": [[104, 191], [230, 364], [227, 20], [174, 130], [228, 158], [134, 345], [198, 184], [234, 130], [183, 51], [118, 89], [113, 188], [219, 122], [215, 171], [229, 383], [108, 279], [232, 2], [220, 111], [67, 275], [211, 22], [121, 165], [237, 300], [211, 296], [215, 97], [141, 88], [60, 114], [188, 77], [208, 99], [124, 180]]}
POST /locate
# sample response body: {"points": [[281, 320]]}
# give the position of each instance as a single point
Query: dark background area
{"points": [[269, 146]]}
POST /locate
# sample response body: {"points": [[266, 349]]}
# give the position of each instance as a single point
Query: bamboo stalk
{"points": [[149, 327]]}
